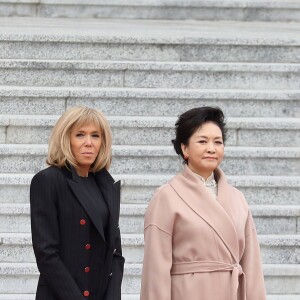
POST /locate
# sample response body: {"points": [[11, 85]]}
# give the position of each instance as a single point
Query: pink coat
{"points": [[200, 248]]}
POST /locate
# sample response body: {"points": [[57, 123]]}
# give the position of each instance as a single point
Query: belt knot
{"points": [[239, 268]]}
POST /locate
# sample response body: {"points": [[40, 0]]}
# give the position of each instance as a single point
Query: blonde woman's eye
{"points": [[96, 135], [79, 134]]}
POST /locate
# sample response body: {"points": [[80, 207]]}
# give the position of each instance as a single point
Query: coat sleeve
{"points": [[45, 238], [113, 291], [157, 264], [251, 263]]}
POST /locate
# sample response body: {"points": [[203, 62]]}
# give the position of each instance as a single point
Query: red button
{"points": [[87, 269], [88, 246], [86, 293], [82, 222]]}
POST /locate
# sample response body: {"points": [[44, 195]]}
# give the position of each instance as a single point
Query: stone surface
{"points": [[17, 296], [157, 130], [186, 32], [269, 196], [150, 52], [17, 9], [280, 249], [2, 135], [144, 102], [153, 9], [243, 161], [149, 74], [276, 280]]}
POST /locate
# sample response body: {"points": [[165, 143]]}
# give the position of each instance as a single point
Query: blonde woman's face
{"points": [[85, 145], [205, 150]]}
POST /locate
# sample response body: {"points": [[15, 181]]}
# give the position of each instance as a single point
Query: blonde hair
{"points": [[59, 150]]}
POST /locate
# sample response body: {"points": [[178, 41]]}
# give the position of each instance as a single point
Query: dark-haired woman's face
{"points": [[205, 149]]}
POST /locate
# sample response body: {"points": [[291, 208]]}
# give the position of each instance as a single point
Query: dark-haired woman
{"points": [[200, 239]]}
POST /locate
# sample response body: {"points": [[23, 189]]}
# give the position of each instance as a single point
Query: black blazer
{"points": [[72, 252]]}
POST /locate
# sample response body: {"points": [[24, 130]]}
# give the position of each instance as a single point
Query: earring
{"points": [[185, 157]]}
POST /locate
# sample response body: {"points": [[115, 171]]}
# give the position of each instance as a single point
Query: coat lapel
{"points": [[193, 192], [111, 193], [105, 185]]}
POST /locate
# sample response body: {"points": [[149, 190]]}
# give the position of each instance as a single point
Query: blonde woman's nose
{"points": [[88, 140]]}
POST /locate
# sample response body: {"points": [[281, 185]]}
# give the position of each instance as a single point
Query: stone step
{"points": [[239, 160], [132, 297], [139, 188], [280, 249], [150, 40], [141, 159], [278, 10], [22, 278], [269, 219], [141, 130], [275, 249], [149, 74], [17, 278], [144, 102], [282, 279]]}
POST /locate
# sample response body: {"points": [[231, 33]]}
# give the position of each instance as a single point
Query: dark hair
{"points": [[192, 120]]}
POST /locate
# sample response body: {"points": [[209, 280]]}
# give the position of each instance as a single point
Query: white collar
{"points": [[210, 181]]}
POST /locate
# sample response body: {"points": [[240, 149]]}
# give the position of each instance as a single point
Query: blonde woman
{"points": [[75, 207]]}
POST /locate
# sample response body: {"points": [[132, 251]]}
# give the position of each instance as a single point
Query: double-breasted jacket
{"points": [[75, 257]]}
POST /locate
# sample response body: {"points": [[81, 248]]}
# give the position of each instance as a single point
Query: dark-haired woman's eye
{"points": [[202, 142], [219, 142]]}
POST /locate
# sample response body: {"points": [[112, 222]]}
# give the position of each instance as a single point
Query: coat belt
{"points": [[237, 274]]}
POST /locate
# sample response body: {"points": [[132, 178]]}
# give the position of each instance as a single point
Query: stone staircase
{"points": [[238, 10], [142, 73]]}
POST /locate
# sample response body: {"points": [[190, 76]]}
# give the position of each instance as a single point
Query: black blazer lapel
{"points": [[89, 207], [111, 193]]}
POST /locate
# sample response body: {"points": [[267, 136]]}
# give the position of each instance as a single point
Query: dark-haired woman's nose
{"points": [[210, 148]]}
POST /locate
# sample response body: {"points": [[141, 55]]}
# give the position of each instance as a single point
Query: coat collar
{"points": [[192, 191], [111, 194]]}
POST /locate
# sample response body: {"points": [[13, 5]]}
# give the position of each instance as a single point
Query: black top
{"points": [[93, 193]]}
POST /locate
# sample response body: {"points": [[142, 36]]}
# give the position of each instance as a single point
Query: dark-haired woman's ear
{"points": [[183, 150], [183, 147]]}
